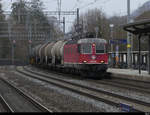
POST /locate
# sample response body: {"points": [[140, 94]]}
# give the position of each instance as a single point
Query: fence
{"points": [[120, 61], [4, 62]]}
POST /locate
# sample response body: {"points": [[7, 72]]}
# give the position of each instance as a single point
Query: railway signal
{"points": [[14, 41], [13, 46], [30, 41]]}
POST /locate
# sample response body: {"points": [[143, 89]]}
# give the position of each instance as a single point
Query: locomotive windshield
{"points": [[100, 48], [86, 48]]}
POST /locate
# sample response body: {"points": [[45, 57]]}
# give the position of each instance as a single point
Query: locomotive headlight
{"points": [[102, 61], [93, 57], [84, 61]]}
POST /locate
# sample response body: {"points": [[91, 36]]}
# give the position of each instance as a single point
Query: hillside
{"points": [[144, 8]]}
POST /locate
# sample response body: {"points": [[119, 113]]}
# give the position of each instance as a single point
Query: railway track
{"points": [[124, 85], [5, 105], [24, 102], [99, 95], [134, 85]]}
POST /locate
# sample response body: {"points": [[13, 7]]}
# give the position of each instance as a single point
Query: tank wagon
{"points": [[84, 56]]}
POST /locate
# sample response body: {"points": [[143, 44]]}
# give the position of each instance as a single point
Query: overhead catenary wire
{"points": [[74, 6], [77, 2], [91, 3]]}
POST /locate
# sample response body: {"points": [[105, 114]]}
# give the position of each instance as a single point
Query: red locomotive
{"points": [[84, 56]]}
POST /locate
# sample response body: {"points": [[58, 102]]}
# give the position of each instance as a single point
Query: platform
{"points": [[130, 74]]}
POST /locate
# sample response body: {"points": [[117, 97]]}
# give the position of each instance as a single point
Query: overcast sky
{"points": [[109, 7]]}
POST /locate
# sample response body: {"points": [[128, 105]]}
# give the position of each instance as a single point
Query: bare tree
{"points": [[4, 47], [30, 23], [94, 21]]}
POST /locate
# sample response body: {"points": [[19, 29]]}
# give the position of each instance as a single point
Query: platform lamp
{"points": [[111, 36]]}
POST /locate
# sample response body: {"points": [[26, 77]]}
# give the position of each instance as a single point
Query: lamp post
{"points": [[111, 36], [96, 30], [13, 45], [129, 56]]}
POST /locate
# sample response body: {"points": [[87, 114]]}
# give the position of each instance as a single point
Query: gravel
{"points": [[57, 99], [1, 108], [16, 101], [60, 100], [120, 91]]}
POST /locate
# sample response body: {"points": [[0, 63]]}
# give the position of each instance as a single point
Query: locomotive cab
{"points": [[92, 48], [93, 51]]}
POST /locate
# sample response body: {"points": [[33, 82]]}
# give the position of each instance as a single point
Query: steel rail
{"points": [[80, 92], [125, 86], [134, 80], [5, 104], [132, 83], [29, 98]]}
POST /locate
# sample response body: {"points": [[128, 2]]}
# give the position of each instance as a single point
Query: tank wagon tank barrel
{"points": [[47, 52]]}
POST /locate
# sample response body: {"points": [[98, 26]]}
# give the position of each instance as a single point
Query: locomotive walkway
{"points": [[130, 74]]}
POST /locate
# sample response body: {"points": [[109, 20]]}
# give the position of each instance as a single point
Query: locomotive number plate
{"points": [[94, 61]]}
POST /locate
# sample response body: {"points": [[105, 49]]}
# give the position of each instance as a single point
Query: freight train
{"points": [[83, 56]]}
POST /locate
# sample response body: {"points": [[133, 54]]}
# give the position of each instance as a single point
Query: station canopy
{"points": [[139, 27]]}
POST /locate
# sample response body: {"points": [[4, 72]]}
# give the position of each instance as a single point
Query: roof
{"points": [[74, 41], [139, 27], [92, 40]]}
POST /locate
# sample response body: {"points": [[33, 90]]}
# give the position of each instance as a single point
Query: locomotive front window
{"points": [[100, 48], [86, 48]]}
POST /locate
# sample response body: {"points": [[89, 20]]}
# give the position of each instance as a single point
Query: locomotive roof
{"points": [[74, 41], [92, 40]]}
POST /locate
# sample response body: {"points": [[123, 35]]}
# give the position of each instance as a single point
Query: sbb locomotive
{"points": [[83, 56]]}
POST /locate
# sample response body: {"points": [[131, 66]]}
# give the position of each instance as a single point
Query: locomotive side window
{"points": [[71, 50], [65, 50], [106, 47], [79, 48], [86, 48], [100, 48]]}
